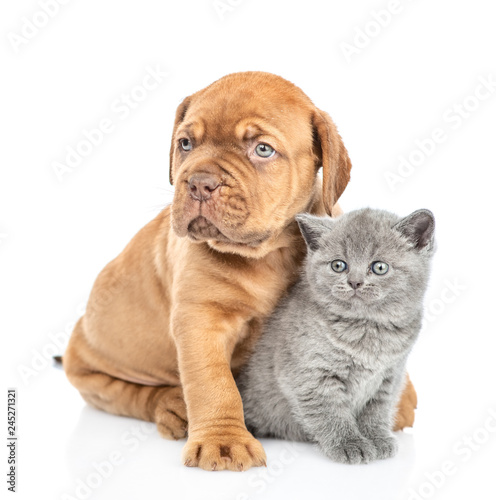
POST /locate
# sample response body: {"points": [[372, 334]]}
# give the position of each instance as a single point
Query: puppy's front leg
{"points": [[217, 436]]}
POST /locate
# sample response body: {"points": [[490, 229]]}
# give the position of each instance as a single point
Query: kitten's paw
{"points": [[354, 450], [386, 445]]}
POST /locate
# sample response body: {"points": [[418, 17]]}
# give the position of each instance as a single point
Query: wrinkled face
{"points": [[243, 162]]}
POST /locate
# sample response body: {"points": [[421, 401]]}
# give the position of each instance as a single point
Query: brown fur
{"points": [[178, 311]]}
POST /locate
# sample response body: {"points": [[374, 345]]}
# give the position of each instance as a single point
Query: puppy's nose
{"points": [[355, 284], [201, 186]]}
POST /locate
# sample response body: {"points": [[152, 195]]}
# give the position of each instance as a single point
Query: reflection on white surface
{"points": [[126, 449], [70, 451], [94, 455]]}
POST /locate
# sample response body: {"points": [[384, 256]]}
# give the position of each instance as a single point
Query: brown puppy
{"points": [[178, 311]]}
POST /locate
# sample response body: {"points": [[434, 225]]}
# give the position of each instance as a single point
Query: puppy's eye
{"points": [[186, 144], [264, 150], [379, 267], [338, 266]]}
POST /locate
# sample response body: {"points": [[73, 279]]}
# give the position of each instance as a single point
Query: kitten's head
{"points": [[369, 262]]}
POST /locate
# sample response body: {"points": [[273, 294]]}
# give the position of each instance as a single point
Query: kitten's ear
{"points": [[312, 228], [418, 228]]}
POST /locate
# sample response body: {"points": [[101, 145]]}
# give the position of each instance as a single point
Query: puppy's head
{"points": [[244, 158]]}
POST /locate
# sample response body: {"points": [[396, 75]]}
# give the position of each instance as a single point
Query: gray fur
{"points": [[330, 366]]}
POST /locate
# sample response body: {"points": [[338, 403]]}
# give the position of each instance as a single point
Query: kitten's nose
{"points": [[355, 284]]}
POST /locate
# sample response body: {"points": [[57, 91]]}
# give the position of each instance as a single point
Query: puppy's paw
{"points": [[232, 450], [172, 427], [170, 415], [405, 412], [352, 450]]}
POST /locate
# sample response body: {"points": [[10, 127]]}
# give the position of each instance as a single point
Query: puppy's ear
{"points": [[333, 157], [180, 113]]}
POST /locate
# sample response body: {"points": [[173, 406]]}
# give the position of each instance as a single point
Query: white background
{"points": [[396, 89]]}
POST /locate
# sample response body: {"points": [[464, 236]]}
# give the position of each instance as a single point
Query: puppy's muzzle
{"points": [[202, 186]]}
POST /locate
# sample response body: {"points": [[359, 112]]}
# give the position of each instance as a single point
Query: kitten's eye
{"points": [[379, 267], [264, 150], [186, 144], [338, 266]]}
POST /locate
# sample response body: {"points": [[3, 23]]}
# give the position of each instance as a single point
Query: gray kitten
{"points": [[330, 365]]}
